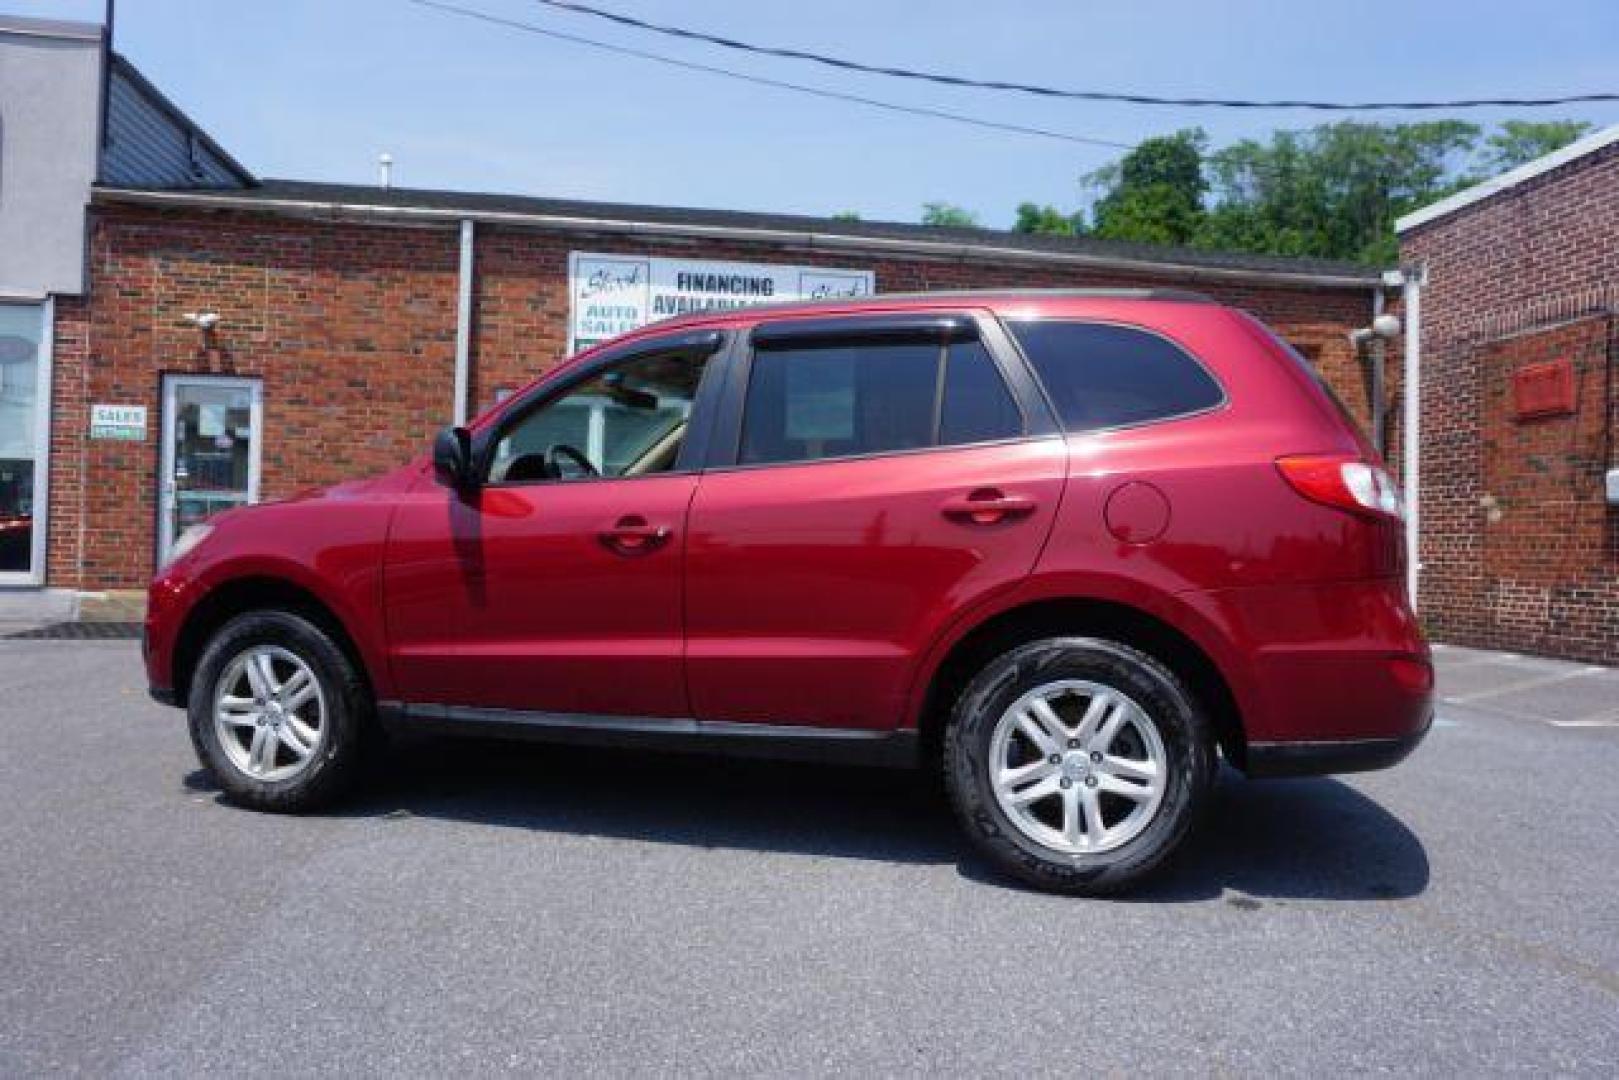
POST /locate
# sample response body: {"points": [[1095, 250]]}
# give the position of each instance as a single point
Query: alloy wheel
{"points": [[1077, 767], [270, 713]]}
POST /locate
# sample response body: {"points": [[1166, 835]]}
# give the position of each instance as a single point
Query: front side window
{"points": [[628, 420], [810, 402], [1103, 376]]}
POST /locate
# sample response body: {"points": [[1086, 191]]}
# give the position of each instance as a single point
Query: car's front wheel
{"points": [[1078, 765], [278, 713]]}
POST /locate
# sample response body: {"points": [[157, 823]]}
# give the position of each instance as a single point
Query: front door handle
{"points": [[632, 535], [988, 506]]}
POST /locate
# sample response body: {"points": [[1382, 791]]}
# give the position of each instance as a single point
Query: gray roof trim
{"points": [[50, 28], [341, 202], [1597, 140], [184, 122]]}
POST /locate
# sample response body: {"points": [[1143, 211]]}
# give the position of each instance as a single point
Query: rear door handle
{"points": [[988, 506], [632, 535]]}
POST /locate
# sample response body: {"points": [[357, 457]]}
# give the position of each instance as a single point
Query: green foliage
{"points": [[1332, 191], [945, 215], [846, 215], [1155, 192], [1522, 141], [1033, 218]]}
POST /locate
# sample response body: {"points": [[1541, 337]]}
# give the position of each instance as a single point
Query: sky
{"points": [[316, 89]]}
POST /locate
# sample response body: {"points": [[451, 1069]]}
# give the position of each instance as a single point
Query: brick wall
{"points": [[1518, 547], [351, 327]]}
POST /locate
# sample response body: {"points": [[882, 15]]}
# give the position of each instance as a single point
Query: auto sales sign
{"points": [[613, 294]]}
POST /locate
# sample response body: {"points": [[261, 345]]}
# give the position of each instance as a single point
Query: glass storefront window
{"points": [[22, 457]]}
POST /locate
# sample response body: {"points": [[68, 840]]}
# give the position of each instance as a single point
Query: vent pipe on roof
{"points": [[385, 171]]}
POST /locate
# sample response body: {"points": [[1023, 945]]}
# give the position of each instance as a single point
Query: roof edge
{"points": [[122, 65], [1509, 179], [61, 29], [805, 237]]}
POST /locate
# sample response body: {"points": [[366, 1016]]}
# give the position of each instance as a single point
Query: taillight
{"points": [[1347, 483]]}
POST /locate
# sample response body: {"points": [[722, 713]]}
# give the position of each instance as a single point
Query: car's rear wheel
{"points": [[1078, 765], [278, 713]]}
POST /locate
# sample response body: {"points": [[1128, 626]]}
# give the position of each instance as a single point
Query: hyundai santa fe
{"points": [[1068, 548]]}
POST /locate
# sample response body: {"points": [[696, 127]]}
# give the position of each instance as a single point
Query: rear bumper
{"points": [[1331, 670], [1268, 760]]}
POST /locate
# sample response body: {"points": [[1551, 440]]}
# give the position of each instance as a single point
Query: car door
{"points": [[871, 477], [555, 585]]}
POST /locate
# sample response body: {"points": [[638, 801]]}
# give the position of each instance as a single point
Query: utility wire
{"points": [[759, 80], [1253, 168], [1079, 95]]}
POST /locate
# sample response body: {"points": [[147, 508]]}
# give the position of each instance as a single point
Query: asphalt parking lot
{"points": [[492, 909]]}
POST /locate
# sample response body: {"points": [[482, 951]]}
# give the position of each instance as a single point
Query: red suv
{"points": [[1066, 546]]}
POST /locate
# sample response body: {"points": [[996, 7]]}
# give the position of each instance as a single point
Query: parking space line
{"points": [[1597, 720], [1445, 663], [1525, 684]]}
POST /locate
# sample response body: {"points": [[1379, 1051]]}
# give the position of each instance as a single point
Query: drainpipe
{"points": [[1370, 344], [1379, 353], [463, 326], [1412, 279]]}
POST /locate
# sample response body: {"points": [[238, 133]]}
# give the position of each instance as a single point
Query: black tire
{"points": [[1185, 731], [337, 760]]}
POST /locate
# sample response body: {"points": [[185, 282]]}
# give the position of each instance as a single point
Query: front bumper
{"points": [[1267, 760], [165, 611]]}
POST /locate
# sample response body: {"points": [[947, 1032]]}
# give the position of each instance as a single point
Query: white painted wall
{"points": [[49, 108]]}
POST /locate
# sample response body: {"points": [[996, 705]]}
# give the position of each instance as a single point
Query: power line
{"points": [[1252, 167], [1057, 92], [759, 80]]}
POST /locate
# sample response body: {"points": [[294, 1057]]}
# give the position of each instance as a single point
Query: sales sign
{"points": [[614, 294], [123, 422]]}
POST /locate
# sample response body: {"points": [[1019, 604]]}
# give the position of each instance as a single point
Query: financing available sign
{"points": [[613, 294]]}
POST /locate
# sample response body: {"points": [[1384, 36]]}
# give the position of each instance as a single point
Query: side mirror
{"points": [[452, 458]]}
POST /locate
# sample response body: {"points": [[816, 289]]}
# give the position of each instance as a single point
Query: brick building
{"points": [[1519, 539], [72, 113]]}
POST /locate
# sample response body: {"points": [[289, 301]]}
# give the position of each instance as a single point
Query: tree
{"points": [[1333, 191], [1522, 141], [1154, 194], [846, 215], [1033, 218], [945, 215]]}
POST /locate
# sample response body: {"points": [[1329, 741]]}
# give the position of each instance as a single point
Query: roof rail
{"points": [[1183, 296]]}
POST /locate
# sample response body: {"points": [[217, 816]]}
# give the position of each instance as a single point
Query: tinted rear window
{"points": [[810, 402], [1102, 376], [977, 406]]}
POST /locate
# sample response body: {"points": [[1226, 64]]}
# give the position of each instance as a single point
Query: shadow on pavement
{"points": [[1315, 839], [1303, 839]]}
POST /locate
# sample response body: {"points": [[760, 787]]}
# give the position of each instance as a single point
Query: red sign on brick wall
{"points": [[1545, 389]]}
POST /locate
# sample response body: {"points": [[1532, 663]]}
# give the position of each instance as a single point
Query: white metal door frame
{"points": [[35, 574], [167, 492]]}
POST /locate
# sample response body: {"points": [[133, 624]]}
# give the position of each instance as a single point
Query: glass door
{"points": [[24, 442], [212, 428]]}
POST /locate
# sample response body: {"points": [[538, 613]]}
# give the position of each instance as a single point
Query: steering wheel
{"points": [[563, 450]]}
